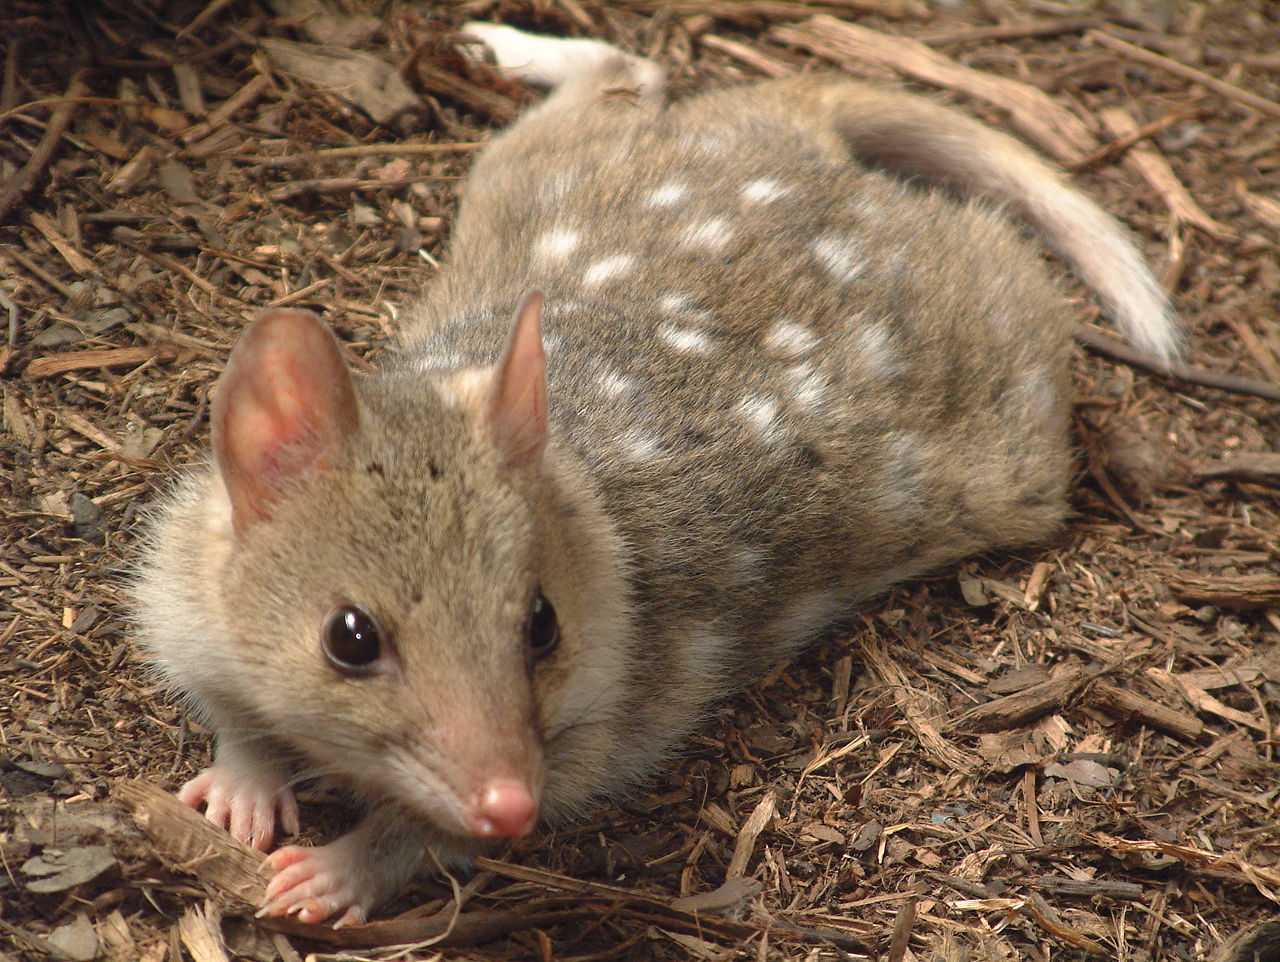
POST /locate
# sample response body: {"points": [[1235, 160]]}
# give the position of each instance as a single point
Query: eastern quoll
{"points": [[697, 379]]}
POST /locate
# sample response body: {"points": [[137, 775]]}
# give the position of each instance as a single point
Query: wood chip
{"points": [[733, 893], [1026, 706], [1239, 592], [1205, 703], [108, 357], [200, 929], [134, 172], [1126, 705], [756, 823], [242, 98], [75, 260]]}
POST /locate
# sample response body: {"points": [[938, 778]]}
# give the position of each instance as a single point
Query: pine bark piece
{"points": [[1024, 707], [1125, 705], [190, 843], [1239, 592], [108, 357]]}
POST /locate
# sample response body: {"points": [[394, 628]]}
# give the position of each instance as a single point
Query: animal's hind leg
{"points": [[579, 71]]}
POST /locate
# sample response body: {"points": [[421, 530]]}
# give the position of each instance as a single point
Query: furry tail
{"points": [[909, 135]]}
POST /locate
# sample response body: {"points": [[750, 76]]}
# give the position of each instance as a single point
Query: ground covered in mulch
{"points": [[1064, 753]]}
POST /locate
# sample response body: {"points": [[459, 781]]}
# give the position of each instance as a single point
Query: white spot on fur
{"points": [[640, 445], [559, 243], [763, 191], [668, 195], [839, 257], [790, 339], [713, 234], [615, 384], [685, 340], [904, 464], [556, 308], [746, 563], [608, 269], [808, 387], [876, 349], [805, 616], [761, 413], [682, 305]]}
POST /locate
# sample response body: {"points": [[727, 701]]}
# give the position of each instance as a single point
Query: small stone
{"points": [[86, 519]]}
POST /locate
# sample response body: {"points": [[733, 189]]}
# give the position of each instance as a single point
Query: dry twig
{"points": [[1118, 350], [25, 178], [1168, 64]]}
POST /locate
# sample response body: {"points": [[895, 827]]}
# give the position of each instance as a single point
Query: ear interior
{"points": [[284, 405], [518, 398]]}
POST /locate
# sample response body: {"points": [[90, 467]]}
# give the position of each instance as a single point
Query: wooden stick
{"points": [[1260, 467], [1178, 69], [747, 54], [203, 17], [23, 180], [1149, 164], [362, 150], [1118, 350], [246, 95], [338, 185], [1011, 31], [94, 359], [1123, 704], [1121, 144]]}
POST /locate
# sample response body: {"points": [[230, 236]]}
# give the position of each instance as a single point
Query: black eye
{"points": [[351, 639], [542, 631]]}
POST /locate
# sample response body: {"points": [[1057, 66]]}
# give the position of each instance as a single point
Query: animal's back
{"points": [[795, 380]]}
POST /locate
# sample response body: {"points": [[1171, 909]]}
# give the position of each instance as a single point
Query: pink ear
{"points": [[283, 405], [518, 404]]}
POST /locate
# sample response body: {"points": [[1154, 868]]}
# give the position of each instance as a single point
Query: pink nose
{"points": [[506, 809]]}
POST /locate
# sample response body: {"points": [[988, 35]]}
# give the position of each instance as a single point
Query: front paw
{"points": [[246, 804], [316, 884]]}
